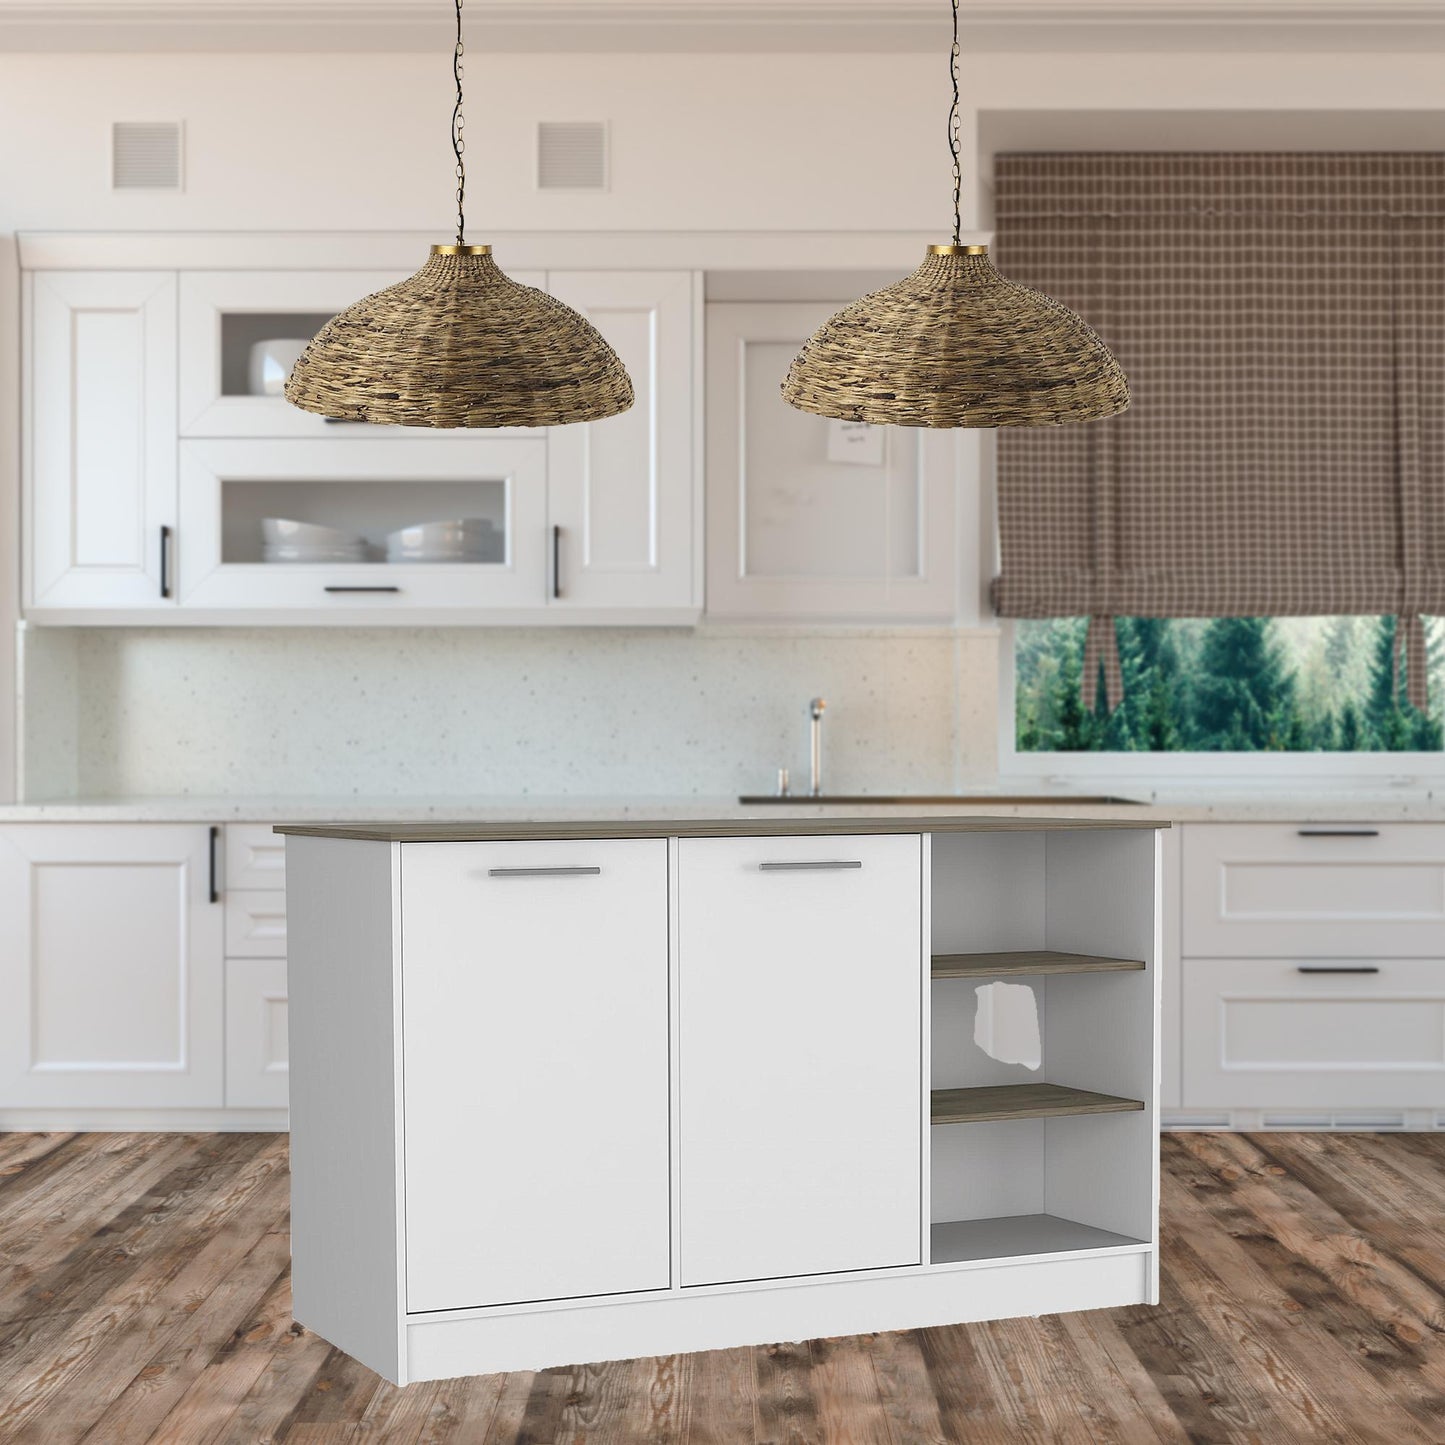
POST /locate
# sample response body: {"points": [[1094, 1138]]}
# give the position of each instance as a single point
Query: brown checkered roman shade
{"points": [[1281, 319]]}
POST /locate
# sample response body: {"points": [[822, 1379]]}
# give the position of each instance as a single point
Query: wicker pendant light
{"points": [[956, 345], [460, 344]]}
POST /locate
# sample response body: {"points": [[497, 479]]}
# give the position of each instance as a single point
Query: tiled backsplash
{"points": [[581, 712]]}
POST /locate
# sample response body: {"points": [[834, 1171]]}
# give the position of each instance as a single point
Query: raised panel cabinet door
{"points": [[625, 493], [101, 439], [809, 518], [535, 999], [800, 976], [111, 969], [257, 1057]]}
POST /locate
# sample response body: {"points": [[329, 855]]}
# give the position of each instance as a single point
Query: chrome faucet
{"points": [[815, 714]]}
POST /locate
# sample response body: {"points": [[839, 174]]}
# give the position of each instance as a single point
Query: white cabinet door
{"points": [[223, 314], [229, 488], [810, 518], [111, 969], [257, 1061], [101, 439], [535, 998], [800, 976], [624, 492]]}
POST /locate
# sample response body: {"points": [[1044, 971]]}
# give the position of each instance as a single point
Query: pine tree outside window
{"points": [[1228, 685]]}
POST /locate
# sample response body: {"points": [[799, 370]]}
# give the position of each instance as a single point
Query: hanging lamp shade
{"points": [[956, 345], [460, 344]]}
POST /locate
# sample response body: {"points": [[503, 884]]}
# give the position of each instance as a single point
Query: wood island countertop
{"points": [[499, 830]]}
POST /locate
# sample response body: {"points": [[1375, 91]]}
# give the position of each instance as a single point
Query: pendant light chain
{"points": [[955, 136], [459, 143]]}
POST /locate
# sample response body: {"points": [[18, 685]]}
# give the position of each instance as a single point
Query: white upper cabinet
{"points": [[809, 518], [100, 439], [230, 320], [624, 491], [367, 493], [150, 480]]}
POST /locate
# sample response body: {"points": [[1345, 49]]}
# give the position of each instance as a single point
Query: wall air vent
{"points": [[145, 155], [571, 155]]}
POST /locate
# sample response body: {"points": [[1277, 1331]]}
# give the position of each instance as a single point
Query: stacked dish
{"points": [[288, 541], [468, 539]]}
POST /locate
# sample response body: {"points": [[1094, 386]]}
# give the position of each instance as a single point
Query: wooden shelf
{"points": [[997, 965], [957, 1241], [1022, 1101]]}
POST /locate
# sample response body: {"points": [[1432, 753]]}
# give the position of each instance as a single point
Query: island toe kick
{"points": [[640, 1089]]}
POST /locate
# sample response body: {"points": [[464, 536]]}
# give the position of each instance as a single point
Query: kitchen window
{"points": [[1226, 685]]}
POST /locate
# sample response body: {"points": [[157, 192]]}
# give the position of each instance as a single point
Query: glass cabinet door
{"points": [[240, 332], [434, 523]]}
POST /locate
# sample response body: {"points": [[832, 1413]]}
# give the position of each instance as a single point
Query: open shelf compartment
{"points": [[1042, 1050]]}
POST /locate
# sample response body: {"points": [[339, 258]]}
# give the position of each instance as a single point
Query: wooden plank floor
{"points": [[144, 1296]]}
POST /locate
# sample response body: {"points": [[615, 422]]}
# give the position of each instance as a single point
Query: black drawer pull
{"points": [[1339, 832], [363, 589], [1322, 968], [214, 890]]}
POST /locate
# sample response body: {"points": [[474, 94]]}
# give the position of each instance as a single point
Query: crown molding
{"points": [[721, 25]]}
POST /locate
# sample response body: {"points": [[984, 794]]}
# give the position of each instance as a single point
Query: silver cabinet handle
{"points": [[1338, 832], [823, 866], [1323, 968], [543, 872]]}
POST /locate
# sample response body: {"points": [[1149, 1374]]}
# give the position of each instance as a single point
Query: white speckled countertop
{"points": [[1415, 805]]}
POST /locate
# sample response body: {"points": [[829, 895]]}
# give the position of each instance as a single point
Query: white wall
{"points": [[724, 142]]}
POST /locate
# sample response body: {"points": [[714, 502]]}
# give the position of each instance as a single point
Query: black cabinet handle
{"points": [[1339, 832], [165, 561], [215, 889], [556, 563], [363, 589], [1322, 968]]}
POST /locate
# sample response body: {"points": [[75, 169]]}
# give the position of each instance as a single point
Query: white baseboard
{"points": [[143, 1121], [1312, 1121]]}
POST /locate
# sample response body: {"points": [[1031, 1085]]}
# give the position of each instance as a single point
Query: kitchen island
{"points": [[564, 1092]]}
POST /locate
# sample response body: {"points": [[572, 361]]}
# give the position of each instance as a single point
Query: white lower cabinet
{"points": [[1325, 1034], [1312, 982], [257, 1053], [800, 977], [535, 1000], [635, 1093], [112, 967]]}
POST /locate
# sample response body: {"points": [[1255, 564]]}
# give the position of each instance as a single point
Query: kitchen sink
{"points": [[932, 800]]}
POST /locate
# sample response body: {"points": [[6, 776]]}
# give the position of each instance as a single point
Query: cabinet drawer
{"points": [[257, 1069], [1260, 1032], [256, 925], [255, 856], [1314, 889]]}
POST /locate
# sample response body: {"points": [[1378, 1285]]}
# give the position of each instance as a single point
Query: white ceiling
{"points": [[631, 25]]}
